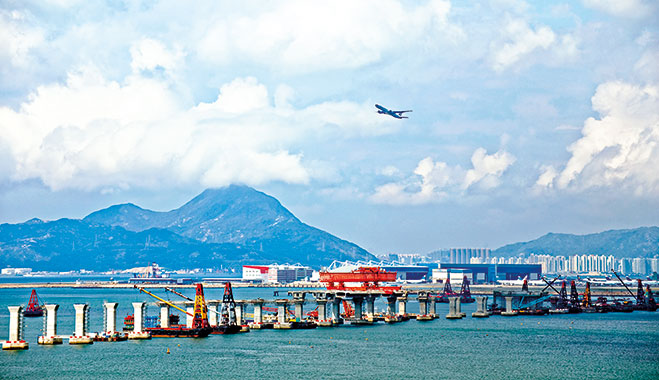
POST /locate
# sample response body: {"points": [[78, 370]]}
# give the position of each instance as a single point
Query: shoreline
{"points": [[475, 289]]}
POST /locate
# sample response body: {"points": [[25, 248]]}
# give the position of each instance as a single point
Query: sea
{"points": [[581, 346]]}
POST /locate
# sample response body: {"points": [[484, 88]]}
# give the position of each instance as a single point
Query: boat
{"points": [[178, 332], [225, 329], [34, 308]]}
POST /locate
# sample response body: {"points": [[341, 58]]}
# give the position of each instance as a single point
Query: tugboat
{"points": [[33, 308]]}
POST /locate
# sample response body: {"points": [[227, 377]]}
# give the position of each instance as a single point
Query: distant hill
{"points": [[220, 227], [637, 242]]}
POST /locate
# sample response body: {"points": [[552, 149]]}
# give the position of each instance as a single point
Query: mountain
{"points": [[220, 227], [637, 242]]}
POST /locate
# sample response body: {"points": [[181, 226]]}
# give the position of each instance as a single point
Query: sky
{"points": [[528, 117]]}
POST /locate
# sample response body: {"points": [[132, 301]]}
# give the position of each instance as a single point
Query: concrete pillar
{"points": [[423, 304], [391, 305], [433, 306], [240, 315], [402, 305], [336, 310], [258, 312], [15, 341], [299, 309], [481, 308], [164, 315], [212, 312], [81, 319], [357, 304], [453, 312], [110, 317], [370, 306], [51, 320], [322, 309], [509, 308], [281, 312], [459, 307], [139, 311], [15, 323], [189, 318]]}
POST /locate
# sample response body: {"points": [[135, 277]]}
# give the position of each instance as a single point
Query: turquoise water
{"points": [[585, 346]]}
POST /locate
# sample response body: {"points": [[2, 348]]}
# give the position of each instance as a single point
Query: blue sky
{"points": [[529, 117]]}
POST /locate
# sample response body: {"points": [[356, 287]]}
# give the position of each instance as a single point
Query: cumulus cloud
{"points": [[304, 36], [624, 8], [433, 181], [620, 148], [95, 133], [518, 41], [18, 35]]}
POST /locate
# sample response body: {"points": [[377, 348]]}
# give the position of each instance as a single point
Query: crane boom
{"points": [[188, 298], [620, 279], [161, 300]]}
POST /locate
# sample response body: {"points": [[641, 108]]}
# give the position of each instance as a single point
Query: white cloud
{"points": [[620, 148], [150, 54], [519, 40], [435, 181], [303, 36], [18, 36], [625, 8], [93, 133]]}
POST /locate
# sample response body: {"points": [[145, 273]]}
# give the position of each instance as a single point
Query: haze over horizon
{"points": [[528, 117]]}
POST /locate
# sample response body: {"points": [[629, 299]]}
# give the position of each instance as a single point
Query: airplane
{"points": [[396, 114]]}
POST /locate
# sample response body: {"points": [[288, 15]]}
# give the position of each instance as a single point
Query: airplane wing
{"points": [[401, 112]]}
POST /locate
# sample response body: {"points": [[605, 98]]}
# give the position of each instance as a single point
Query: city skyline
{"points": [[528, 117]]}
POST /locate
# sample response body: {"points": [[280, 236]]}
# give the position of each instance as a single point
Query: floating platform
{"points": [[81, 340], [15, 345], [50, 340], [424, 317], [141, 335]]}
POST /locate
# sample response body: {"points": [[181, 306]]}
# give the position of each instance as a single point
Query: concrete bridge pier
{"points": [[402, 305], [509, 308], [212, 312], [336, 311], [423, 304], [458, 307], [15, 341], [358, 303], [453, 312], [164, 315], [370, 306], [240, 314], [139, 311], [481, 308], [258, 312], [282, 317], [433, 306], [50, 326], [110, 317], [80, 335], [391, 305], [299, 309]]}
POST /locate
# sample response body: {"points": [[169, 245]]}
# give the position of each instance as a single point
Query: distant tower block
{"points": [[481, 308], [80, 336], [138, 316], [15, 341], [50, 334], [110, 317], [453, 312]]}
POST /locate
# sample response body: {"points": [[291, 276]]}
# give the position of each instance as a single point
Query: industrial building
{"points": [[490, 273], [274, 273]]}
